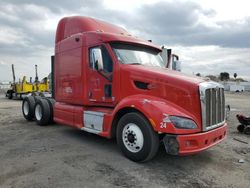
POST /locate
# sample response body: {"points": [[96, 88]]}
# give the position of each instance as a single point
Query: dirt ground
{"points": [[60, 156]]}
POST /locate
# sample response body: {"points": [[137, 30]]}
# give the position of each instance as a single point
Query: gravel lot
{"points": [[60, 156]]}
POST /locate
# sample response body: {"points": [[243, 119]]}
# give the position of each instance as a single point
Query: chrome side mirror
{"points": [[176, 65], [98, 62]]}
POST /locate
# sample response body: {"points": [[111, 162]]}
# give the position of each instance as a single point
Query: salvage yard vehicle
{"points": [[110, 83]]}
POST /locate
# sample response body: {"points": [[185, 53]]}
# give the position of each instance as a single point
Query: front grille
{"points": [[212, 105]]}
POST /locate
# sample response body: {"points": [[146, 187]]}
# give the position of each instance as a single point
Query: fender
{"points": [[156, 110]]}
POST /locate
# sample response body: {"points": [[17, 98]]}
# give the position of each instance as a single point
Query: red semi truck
{"points": [[110, 83]]}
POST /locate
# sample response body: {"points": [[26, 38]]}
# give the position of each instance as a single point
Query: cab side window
{"points": [[107, 61]]}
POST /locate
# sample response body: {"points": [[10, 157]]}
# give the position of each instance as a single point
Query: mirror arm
{"points": [[176, 56]]}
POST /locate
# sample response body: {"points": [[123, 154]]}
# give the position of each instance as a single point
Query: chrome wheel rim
{"points": [[38, 112], [132, 137]]}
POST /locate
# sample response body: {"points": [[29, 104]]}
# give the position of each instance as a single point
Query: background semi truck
{"points": [[110, 83]]}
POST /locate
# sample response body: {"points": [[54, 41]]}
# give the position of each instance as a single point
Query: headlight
{"points": [[182, 123]]}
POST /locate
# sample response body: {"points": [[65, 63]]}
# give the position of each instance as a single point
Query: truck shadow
{"points": [[184, 171], [91, 140], [162, 157]]}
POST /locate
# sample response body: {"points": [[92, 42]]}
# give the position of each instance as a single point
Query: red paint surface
{"points": [[194, 143]]}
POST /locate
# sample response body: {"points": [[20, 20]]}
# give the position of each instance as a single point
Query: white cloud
{"points": [[209, 36], [11, 36], [227, 10], [214, 59]]}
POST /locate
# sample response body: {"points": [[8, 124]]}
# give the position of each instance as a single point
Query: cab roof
{"points": [[98, 29], [69, 26]]}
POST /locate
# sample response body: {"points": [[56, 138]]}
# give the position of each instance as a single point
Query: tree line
{"points": [[224, 76]]}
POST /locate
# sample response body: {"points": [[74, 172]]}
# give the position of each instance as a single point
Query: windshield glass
{"points": [[137, 55]]}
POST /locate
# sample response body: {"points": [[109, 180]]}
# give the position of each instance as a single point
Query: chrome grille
{"points": [[212, 105]]}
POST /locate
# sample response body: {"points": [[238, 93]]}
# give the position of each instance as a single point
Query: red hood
{"points": [[162, 75], [173, 86]]}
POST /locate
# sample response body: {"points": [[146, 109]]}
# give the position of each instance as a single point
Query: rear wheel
{"points": [[9, 94], [37, 98], [42, 112], [241, 128], [28, 108], [51, 102], [136, 137]]}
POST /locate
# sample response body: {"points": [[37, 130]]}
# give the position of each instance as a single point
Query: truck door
{"points": [[100, 75]]}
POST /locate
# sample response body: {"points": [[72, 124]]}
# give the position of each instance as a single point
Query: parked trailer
{"points": [[23, 88], [107, 82]]}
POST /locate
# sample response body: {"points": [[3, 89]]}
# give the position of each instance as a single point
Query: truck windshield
{"points": [[137, 55]]}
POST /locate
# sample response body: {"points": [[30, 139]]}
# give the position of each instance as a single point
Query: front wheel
{"points": [[136, 137]]}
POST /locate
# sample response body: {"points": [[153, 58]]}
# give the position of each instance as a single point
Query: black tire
{"points": [[128, 140], [51, 105], [28, 108], [42, 112], [37, 98], [35, 94], [247, 130], [241, 128], [9, 94], [41, 94]]}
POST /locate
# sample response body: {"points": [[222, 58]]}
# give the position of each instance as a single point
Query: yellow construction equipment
{"points": [[24, 86], [18, 89]]}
